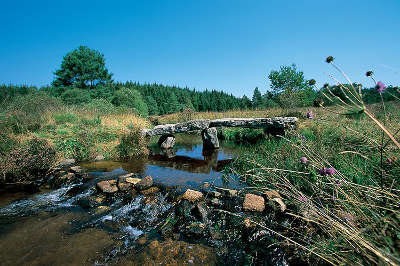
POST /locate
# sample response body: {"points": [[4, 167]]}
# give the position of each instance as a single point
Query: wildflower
{"points": [[326, 85], [303, 138], [303, 160], [338, 182], [330, 171], [389, 160], [380, 87], [310, 114], [329, 59], [333, 197], [369, 73], [311, 82], [301, 198], [322, 171]]}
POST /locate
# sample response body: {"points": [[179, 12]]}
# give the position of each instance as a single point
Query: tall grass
{"points": [[343, 196]]}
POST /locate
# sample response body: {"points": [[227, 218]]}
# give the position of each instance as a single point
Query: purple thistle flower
{"points": [[301, 198], [303, 137], [333, 197], [380, 87], [322, 171], [310, 114], [338, 182], [303, 160], [330, 171], [389, 160]]}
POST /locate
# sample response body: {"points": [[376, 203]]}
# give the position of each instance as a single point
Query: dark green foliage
{"points": [[132, 144], [131, 98], [76, 96], [65, 118], [100, 106], [27, 161], [257, 101], [82, 68], [79, 146], [7, 93]]}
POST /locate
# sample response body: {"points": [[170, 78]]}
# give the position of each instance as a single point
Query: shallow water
{"points": [[51, 227], [189, 166]]}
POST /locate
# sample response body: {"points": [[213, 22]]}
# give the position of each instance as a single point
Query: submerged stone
{"points": [[150, 191]]}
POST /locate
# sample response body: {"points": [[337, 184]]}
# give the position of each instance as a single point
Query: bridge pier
{"points": [[210, 138], [166, 141]]}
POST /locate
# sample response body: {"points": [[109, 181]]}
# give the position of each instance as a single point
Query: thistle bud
{"points": [[369, 73], [311, 82], [329, 59]]}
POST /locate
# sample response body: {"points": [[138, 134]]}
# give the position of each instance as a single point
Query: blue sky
{"points": [[227, 45]]}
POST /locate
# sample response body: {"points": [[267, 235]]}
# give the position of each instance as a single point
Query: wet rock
{"points": [[123, 185], [150, 191], [84, 203], [67, 178], [248, 224], [76, 169], [132, 180], [108, 186], [275, 122], [215, 194], [101, 209], [66, 163], [253, 203], [216, 202], [206, 185], [145, 183], [166, 141], [100, 199], [227, 192], [201, 212], [192, 195], [99, 158], [210, 138], [195, 230]]}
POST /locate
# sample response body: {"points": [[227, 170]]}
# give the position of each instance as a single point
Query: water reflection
{"points": [[186, 165]]}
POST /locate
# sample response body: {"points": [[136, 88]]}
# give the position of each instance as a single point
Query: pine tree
{"points": [[257, 100]]}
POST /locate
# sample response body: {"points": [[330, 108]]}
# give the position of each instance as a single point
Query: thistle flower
{"points": [[389, 160], [310, 114], [303, 160], [304, 199], [330, 171], [338, 182], [329, 59], [380, 87], [326, 85], [333, 197], [369, 73], [322, 171], [311, 82]]}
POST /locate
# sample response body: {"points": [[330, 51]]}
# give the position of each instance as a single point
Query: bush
{"points": [[76, 96], [65, 118], [25, 113], [80, 146], [28, 162], [100, 106], [132, 144], [131, 98]]}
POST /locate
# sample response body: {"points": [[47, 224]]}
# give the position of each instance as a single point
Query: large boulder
{"points": [[210, 138], [166, 141]]}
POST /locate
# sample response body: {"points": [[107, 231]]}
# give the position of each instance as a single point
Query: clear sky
{"points": [[227, 45]]}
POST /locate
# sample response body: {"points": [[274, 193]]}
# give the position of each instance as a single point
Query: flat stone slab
{"points": [[275, 122], [200, 124]]}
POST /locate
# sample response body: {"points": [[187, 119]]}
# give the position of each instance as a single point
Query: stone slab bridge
{"points": [[273, 126]]}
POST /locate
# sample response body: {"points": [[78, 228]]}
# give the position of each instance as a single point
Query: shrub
{"points": [[132, 143], [76, 96], [80, 146], [65, 118], [28, 161], [131, 98], [100, 106]]}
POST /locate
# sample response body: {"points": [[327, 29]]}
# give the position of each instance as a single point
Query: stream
{"points": [[75, 225]]}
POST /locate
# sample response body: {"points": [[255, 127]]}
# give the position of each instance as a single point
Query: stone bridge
{"points": [[274, 126]]}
